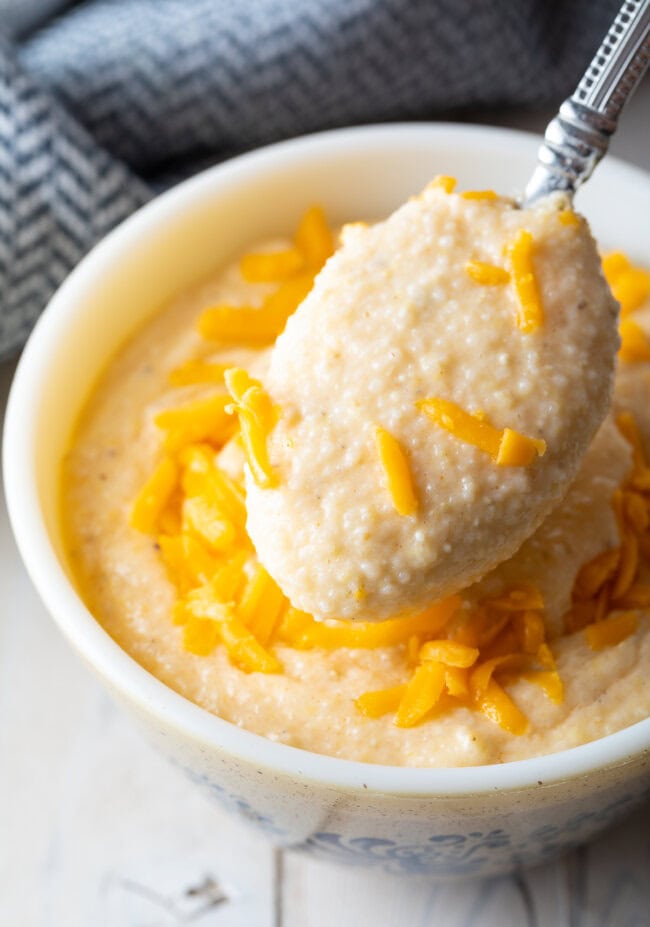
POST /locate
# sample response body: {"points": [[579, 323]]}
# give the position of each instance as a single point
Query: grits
{"points": [[311, 704], [395, 317]]}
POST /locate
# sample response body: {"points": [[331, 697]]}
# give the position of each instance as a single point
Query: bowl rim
{"points": [[123, 673]]}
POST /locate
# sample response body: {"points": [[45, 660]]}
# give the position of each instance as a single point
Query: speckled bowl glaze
{"points": [[443, 822]]}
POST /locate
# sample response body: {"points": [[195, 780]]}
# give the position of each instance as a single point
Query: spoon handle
{"points": [[578, 137]]}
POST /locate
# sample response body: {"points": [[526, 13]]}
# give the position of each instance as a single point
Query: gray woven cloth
{"points": [[104, 102]]}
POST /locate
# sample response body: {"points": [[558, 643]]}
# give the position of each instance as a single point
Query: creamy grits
{"points": [[395, 317], [311, 703]]}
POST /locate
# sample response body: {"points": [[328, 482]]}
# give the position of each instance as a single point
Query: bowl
{"points": [[442, 822]]}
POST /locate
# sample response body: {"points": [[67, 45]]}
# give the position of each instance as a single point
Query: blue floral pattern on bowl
{"points": [[472, 854], [444, 854]]}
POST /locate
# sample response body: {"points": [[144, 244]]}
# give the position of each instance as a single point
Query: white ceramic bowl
{"points": [[446, 822]]}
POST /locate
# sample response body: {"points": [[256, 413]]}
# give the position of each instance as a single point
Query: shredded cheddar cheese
{"points": [[592, 576], [293, 269], [239, 325], [200, 516], [443, 182], [154, 496], [302, 631], [630, 285], [451, 653], [568, 217], [256, 419], [397, 472], [380, 702], [456, 653], [189, 562], [607, 591], [272, 266], [197, 371], [487, 274], [479, 195], [199, 420], [516, 450], [612, 630], [250, 326], [314, 240], [421, 694], [457, 682], [506, 447], [530, 315], [635, 344], [496, 705]]}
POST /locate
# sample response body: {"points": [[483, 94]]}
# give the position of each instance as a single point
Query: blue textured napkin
{"points": [[103, 102]]}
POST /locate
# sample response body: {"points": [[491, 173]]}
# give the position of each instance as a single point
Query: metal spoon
{"points": [[578, 137]]}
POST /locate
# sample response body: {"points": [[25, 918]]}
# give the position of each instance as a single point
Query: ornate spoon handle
{"points": [[578, 137]]}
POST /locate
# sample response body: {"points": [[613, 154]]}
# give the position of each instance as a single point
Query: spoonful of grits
{"points": [[431, 399]]}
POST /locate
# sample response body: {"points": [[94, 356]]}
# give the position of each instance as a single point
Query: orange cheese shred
{"points": [[380, 701], [252, 597], [314, 239], [635, 511], [271, 267], [281, 304], [631, 290], [635, 344], [549, 681], [189, 562], [303, 631], [516, 450], [450, 653], [499, 707], [614, 264], [506, 447], [199, 420], [529, 630], [518, 598], [202, 477], [238, 325], [487, 274], [627, 567], [612, 630], [462, 425], [421, 694], [215, 599], [247, 325], [630, 285], [397, 472], [256, 419], [479, 195], [245, 651], [457, 681], [204, 519], [640, 476], [197, 371], [530, 314], [200, 636], [261, 606], [481, 675], [637, 596], [593, 575], [154, 496], [442, 182], [568, 217]]}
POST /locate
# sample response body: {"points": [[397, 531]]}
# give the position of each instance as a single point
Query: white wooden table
{"points": [[96, 830]]}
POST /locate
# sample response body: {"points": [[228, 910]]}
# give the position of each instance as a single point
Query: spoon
{"points": [[578, 137], [430, 343]]}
